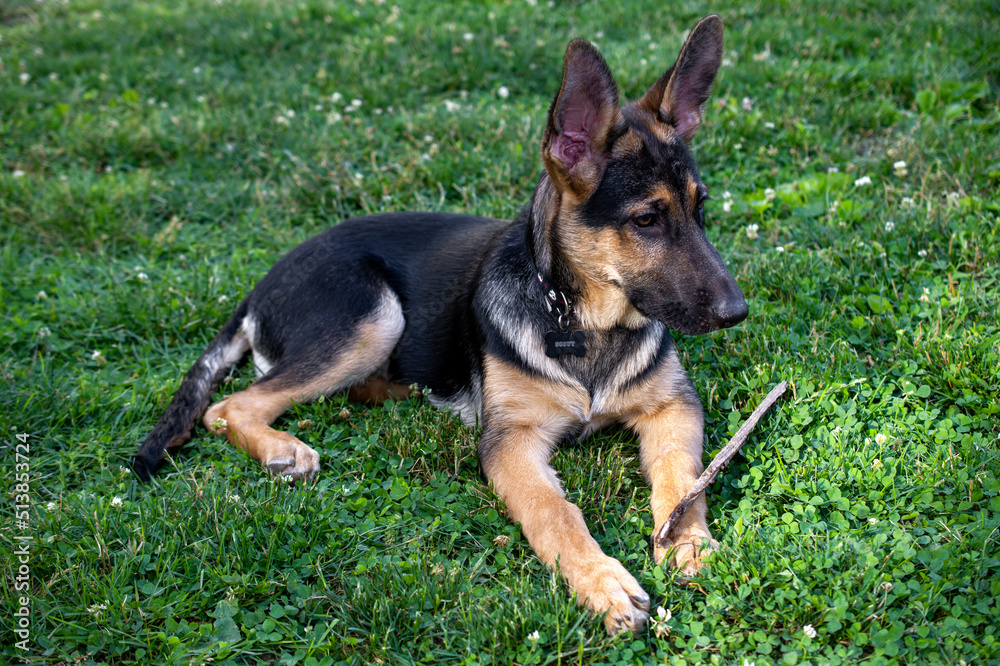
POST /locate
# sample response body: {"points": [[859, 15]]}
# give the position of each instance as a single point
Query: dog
{"points": [[541, 329]]}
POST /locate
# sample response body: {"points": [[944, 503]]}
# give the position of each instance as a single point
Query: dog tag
{"points": [[558, 343]]}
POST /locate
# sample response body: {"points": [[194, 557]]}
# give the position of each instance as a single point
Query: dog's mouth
{"points": [[689, 320]]}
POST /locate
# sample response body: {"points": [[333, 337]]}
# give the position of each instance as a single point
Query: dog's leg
{"points": [[670, 451], [524, 418], [319, 367], [515, 460], [245, 419]]}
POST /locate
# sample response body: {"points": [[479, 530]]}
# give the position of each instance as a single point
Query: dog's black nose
{"points": [[731, 311]]}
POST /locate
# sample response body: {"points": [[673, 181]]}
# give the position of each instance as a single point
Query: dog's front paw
{"points": [[607, 587], [296, 461], [690, 551]]}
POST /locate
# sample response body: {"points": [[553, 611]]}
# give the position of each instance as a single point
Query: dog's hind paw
{"points": [[301, 462], [608, 588]]}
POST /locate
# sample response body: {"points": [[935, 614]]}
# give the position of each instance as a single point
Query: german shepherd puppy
{"points": [[541, 329]]}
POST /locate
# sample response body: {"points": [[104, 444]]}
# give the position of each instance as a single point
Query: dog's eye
{"points": [[644, 220], [699, 214]]}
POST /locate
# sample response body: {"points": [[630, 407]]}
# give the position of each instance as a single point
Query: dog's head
{"points": [[623, 205]]}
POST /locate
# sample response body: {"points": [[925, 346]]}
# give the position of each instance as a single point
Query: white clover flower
{"points": [[98, 356], [44, 332], [234, 498], [873, 521], [24, 77], [533, 636], [18, 173], [751, 230], [659, 623], [900, 168], [356, 103], [877, 464], [832, 169], [727, 206], [336, 97], [116, 502], [469, 37], [864, 180], [503, 92], [142, 277], [220, 424], [921, 253], [907, 202], [881, 439], [727, 195], [727, 62], [769, 194], [333, 117], [747, 104], [834, 206], [51, 506], [747, 662], [809, 631], [889, 226], [926, 296], [769, 125], [451, 106], [780, 248], [428, 138]]}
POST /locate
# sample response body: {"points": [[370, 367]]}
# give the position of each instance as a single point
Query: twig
{"points": [[725, 455]]}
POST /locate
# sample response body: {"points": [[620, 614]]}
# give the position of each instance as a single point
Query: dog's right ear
{"points": [[581, 119], [679, 97]]}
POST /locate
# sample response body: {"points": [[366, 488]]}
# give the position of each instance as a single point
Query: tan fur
{"points": [[245, 417], [627, 144], [377, 390], [670, 434], [694, 192], [593, 255], [525, 414]]}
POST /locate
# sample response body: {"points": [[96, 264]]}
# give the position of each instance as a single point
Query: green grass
{"points": [[158, 157]]}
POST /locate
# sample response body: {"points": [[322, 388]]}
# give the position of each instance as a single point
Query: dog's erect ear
{"points": [[582, 116], [679, 97]]}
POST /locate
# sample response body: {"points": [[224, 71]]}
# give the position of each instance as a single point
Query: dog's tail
{"points": [[189, 403]]}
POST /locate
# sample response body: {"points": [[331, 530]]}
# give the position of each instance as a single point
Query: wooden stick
{"points": [[725, 455]]}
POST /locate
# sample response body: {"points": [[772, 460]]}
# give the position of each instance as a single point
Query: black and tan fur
{"points": [[454, 304]]}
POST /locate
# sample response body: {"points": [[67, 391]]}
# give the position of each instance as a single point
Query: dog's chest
{"points": [[616, 362]]}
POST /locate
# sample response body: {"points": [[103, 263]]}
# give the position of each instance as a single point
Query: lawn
{"points": [[156, 157]]}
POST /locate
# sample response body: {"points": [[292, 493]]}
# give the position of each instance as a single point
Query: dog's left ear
{"points": [[679, 97], [582, 116]]}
